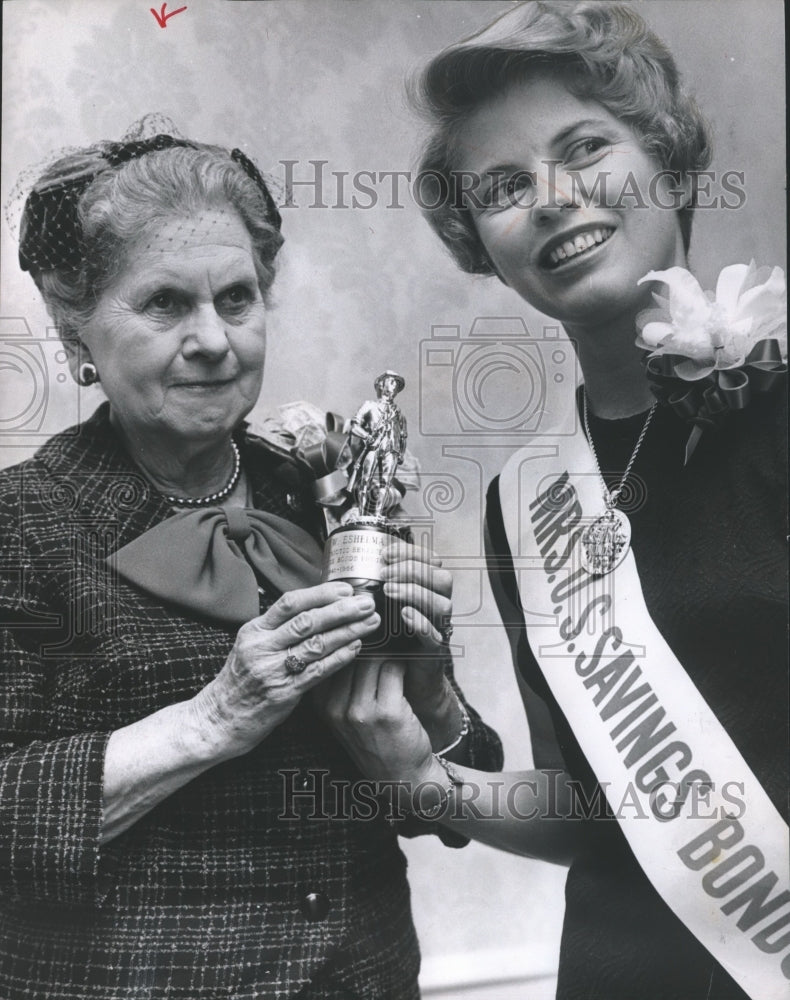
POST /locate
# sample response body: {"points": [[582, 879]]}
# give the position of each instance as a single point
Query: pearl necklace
{"points": [[220, 494], [605, 542]]}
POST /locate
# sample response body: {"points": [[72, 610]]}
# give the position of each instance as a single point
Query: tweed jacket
{"points": [[253, 880]]}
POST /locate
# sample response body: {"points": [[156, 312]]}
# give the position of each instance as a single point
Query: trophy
{"points": [[373, 451]]}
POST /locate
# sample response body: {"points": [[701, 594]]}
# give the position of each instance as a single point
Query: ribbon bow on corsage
{"points": [[317, 440], [709, 352]]}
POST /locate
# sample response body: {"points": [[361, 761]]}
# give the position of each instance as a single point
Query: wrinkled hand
{"points": [[369, 713], [414, 578], [254, 692]]}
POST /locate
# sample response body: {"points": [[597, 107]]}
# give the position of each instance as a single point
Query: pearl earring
{"points": [[87, 373]]}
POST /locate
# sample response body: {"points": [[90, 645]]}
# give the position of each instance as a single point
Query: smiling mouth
{"points": [[576, 246]]}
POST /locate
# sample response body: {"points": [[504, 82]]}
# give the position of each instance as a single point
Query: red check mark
{"points": [[162, 17]]}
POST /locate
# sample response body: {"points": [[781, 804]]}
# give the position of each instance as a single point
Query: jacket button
{"points": [[315, 905]]}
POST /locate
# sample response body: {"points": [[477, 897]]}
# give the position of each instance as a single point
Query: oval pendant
{"points": [[605, 542]]}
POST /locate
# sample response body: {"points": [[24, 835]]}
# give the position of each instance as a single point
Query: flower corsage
{"points": [[710, 352]]}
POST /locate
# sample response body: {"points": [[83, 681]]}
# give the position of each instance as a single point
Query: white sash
{"points": [[721, 862]]}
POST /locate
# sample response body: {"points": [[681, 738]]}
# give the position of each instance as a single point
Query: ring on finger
{"points": [[446, 631], [294, 664]]}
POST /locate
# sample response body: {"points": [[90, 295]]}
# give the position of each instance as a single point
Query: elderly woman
{"points": [[567, 149], [170, 820]]}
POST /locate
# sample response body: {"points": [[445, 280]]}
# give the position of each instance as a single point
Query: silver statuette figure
{"points": [[376, 446]]}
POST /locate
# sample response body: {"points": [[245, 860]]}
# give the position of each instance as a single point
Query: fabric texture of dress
{"points": [[250, 881], [710, 546]]}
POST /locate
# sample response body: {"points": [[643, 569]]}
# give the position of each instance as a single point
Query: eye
{"points": [[165, 302], [507, 189], [517, 183], [235, 299], [587, 149]]}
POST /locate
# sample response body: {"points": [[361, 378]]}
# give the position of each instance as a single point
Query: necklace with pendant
{"points": [[605, 542]]}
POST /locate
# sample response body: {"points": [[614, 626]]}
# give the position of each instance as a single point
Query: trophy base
{"points": [[353, 553]]}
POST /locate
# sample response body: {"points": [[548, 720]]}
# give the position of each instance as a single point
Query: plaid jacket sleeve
{"points": [[50, 789]]}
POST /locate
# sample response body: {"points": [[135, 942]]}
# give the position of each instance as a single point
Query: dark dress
{"points": [[711, 550], [232, 887]]}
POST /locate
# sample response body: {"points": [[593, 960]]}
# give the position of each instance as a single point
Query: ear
{"points": [[76, 353]]}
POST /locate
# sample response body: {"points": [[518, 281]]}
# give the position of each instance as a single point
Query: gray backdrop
{"points": [[367, 288]]}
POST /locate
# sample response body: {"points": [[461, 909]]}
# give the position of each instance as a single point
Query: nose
{"points": [[555, 191], [205, 335]]}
